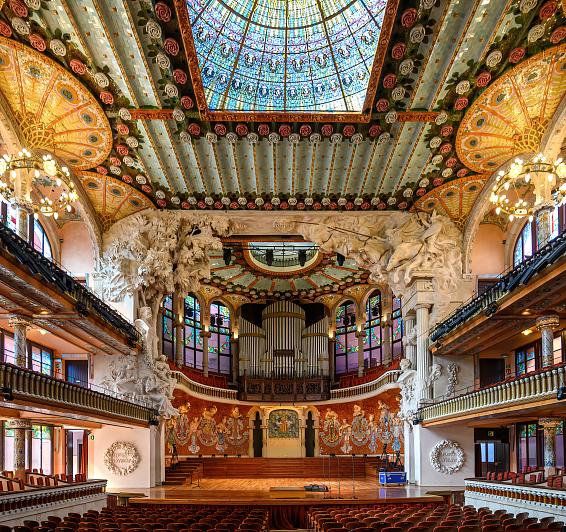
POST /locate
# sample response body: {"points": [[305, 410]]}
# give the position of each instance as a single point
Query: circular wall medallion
{"points": [[122, 458], [447, 457]]}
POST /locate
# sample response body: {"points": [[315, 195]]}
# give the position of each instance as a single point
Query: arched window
{"points": [[373, 354], [37, 236], [219, 344], [40, 241], [192, 338], [168, 328], [396, 329], [346, 345], [531, 238]]}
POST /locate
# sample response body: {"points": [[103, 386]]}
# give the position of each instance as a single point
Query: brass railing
{"points": [[527, 389], [385, 379], [22, 500], [21, 383]]}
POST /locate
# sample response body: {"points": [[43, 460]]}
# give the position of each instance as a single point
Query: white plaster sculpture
{"points": [[151, 255], [395, 248], [447, 457], [453, 370], [407, 384], [122, 458]]}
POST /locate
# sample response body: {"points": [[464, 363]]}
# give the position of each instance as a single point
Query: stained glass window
{"points": [[40, 240], [286, 55], [219, 343], [526, 360], [37, 235], [168, 332], [41, 359], [396, 329], [373, 355], [346, 345], [41, 448], [192, 340], [532, 236]]}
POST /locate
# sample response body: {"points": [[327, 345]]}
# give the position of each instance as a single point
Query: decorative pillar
{"points": [[19, 426], [20, 325], [543, 225], [410, 340], [205, 336], [179, 310], [331, 352], [423, 353], [360, 335], [22, 222], [235, 355], [546, 324], [549, 425]]}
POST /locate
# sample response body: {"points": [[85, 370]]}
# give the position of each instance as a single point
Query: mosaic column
{"points": [[423, 353], [22, 222], [19, 426], [360, 335], [20, 326], [179, 310], [205, 336], [549, 426], [331, 352], [410, 340], [547, 324], [543, 226]]}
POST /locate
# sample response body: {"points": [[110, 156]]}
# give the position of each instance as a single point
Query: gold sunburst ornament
{"points": [[26, 172], [511, 193]]}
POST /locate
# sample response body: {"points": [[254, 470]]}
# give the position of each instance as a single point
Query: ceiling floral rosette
{"points": [[538, 25], [22, 21]]}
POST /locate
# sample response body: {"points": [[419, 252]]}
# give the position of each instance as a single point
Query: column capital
{"points": [[550, 423], [423, 305], [18, 423], [206, 334], [19, 320], [551, 322]]}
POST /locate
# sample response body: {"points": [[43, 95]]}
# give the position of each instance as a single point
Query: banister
{"points": [[23, 383]]}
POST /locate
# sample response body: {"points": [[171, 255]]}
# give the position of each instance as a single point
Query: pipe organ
{"points": [[283, 347]]}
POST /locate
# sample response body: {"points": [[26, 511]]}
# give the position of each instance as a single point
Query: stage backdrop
{"points": [[363, 427]]}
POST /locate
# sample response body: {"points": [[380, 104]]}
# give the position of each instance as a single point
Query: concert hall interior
{"points": [[277, 265]]}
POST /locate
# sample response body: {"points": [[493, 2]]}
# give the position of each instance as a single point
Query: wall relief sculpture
{"points": [[447, 457], [395, 248], [150, 255], [411, 386], [122, 458], [453, 370]]}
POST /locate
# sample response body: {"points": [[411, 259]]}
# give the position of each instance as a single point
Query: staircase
{"points": [[191, 469]]}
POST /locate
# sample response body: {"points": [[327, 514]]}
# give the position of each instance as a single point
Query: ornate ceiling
{"points": [[180, 141], [249, 275]]}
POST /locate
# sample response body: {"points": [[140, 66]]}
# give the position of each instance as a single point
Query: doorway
{"points": [[257, 436], [309, 436], [76, 372], [77, 452]]}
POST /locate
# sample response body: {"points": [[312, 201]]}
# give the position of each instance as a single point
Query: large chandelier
{"points": [[511, 191], [20, 174]]}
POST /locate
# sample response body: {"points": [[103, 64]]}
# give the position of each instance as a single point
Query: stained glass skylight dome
{"points": [[286, 55]]}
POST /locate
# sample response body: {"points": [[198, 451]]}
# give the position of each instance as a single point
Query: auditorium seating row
{"points": [[530, 476], [422, 518], [119, 519]]}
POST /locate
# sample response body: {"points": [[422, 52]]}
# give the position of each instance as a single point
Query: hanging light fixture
{"points": [[511, 191], [24, 172]]}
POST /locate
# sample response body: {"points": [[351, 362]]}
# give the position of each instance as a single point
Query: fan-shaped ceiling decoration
{"points": [[286, 55], [249, 275], [54, 111], [454, 199], [112, 199], [511, 116]]}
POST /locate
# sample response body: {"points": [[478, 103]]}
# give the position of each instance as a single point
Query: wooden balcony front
{"points": [[284, 389]]}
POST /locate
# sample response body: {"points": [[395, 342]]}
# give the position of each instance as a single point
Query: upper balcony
{"points": [[33, 286], [534, 288]]}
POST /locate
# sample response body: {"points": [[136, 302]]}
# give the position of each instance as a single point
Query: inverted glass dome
{"points": [[286, 55], [281, 257]]}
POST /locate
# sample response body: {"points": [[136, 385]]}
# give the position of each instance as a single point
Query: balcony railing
{"points": [[530, 498], [86, 302], [16, 502], [204, 389], [523, 390], [387, 378], [24, 384], [487, 302]]}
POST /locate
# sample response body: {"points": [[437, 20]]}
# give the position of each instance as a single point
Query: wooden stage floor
{"points": [[256, 491]]}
